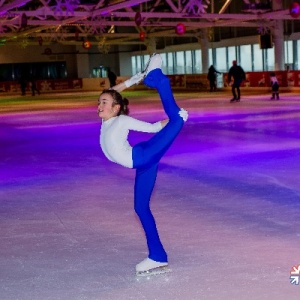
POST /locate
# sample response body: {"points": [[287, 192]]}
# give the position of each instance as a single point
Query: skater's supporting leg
{"points": [[144, 183]]}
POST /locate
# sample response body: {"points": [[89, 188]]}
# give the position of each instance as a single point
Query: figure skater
{"points": [[144, 156], [274, 86]]}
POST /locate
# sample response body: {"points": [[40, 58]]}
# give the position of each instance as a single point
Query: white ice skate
{"points": [[151, 267], [154, 62]]}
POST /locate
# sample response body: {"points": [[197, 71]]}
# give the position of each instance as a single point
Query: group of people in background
{"points": [[32, 83], [238, 75]]}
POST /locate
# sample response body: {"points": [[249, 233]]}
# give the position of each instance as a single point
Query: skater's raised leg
{"points": [[151, 151]]}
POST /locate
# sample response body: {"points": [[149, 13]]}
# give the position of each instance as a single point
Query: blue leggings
{"points": [[146, 156]]}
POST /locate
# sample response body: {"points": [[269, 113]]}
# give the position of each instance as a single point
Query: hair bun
{"points": [[125, 100]]}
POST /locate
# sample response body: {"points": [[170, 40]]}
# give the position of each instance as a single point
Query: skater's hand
{"points": [[183, 114], [164, 122]]}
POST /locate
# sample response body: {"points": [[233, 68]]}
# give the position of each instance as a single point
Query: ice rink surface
{"points": [[226, 202]]}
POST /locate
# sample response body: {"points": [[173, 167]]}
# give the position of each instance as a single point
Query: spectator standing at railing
{"points": [[212, 78]]}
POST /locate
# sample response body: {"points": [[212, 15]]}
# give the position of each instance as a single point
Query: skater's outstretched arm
{"points": [[119, 87], [129, 82]]}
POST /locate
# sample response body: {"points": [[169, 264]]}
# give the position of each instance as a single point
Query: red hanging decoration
{"points": [[295, 10], [180, 29], [86, 44], [142, 36], [138, 19]]}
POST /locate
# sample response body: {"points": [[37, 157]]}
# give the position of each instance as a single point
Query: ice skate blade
{"points": [[152, 272]]}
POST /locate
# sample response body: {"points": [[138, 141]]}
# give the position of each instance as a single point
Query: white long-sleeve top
{"points": [[114, 137]]}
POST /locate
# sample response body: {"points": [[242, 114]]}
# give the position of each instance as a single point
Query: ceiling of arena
{"points": [[131, 22]]}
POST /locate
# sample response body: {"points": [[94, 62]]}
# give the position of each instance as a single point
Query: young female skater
{"points": [[144, 156], [274, 86]]}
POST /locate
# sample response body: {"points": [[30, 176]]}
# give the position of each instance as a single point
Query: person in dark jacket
{"points": [[212, 77], [112, 77], [33, 86], [23, 83], [237, 73], [275, 86]]}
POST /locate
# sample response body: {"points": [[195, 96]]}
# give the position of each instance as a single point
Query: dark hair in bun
{"points": [[118, 99]]}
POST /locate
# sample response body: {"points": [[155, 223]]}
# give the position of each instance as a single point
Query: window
{"points": [[164, 62], [188, 62], [198, 62], [179, 63], [133, 65], [221, 63], [246, 61], [38, 70], [210, 59], [250, 57], [270, 60], [139, 65], [231, 55], [288, 52], [297, 54], [257, 58], [170, 63]]}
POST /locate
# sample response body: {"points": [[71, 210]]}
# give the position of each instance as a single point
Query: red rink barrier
{"points": [[43, 85]]}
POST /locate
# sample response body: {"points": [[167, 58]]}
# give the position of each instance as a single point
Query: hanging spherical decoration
{"points": [[138, 19], [142, 36], [295, 10], [86, 44], [180, 29]]}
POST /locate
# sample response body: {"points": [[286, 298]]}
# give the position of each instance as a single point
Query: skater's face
{"points": [[106, 107]]}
